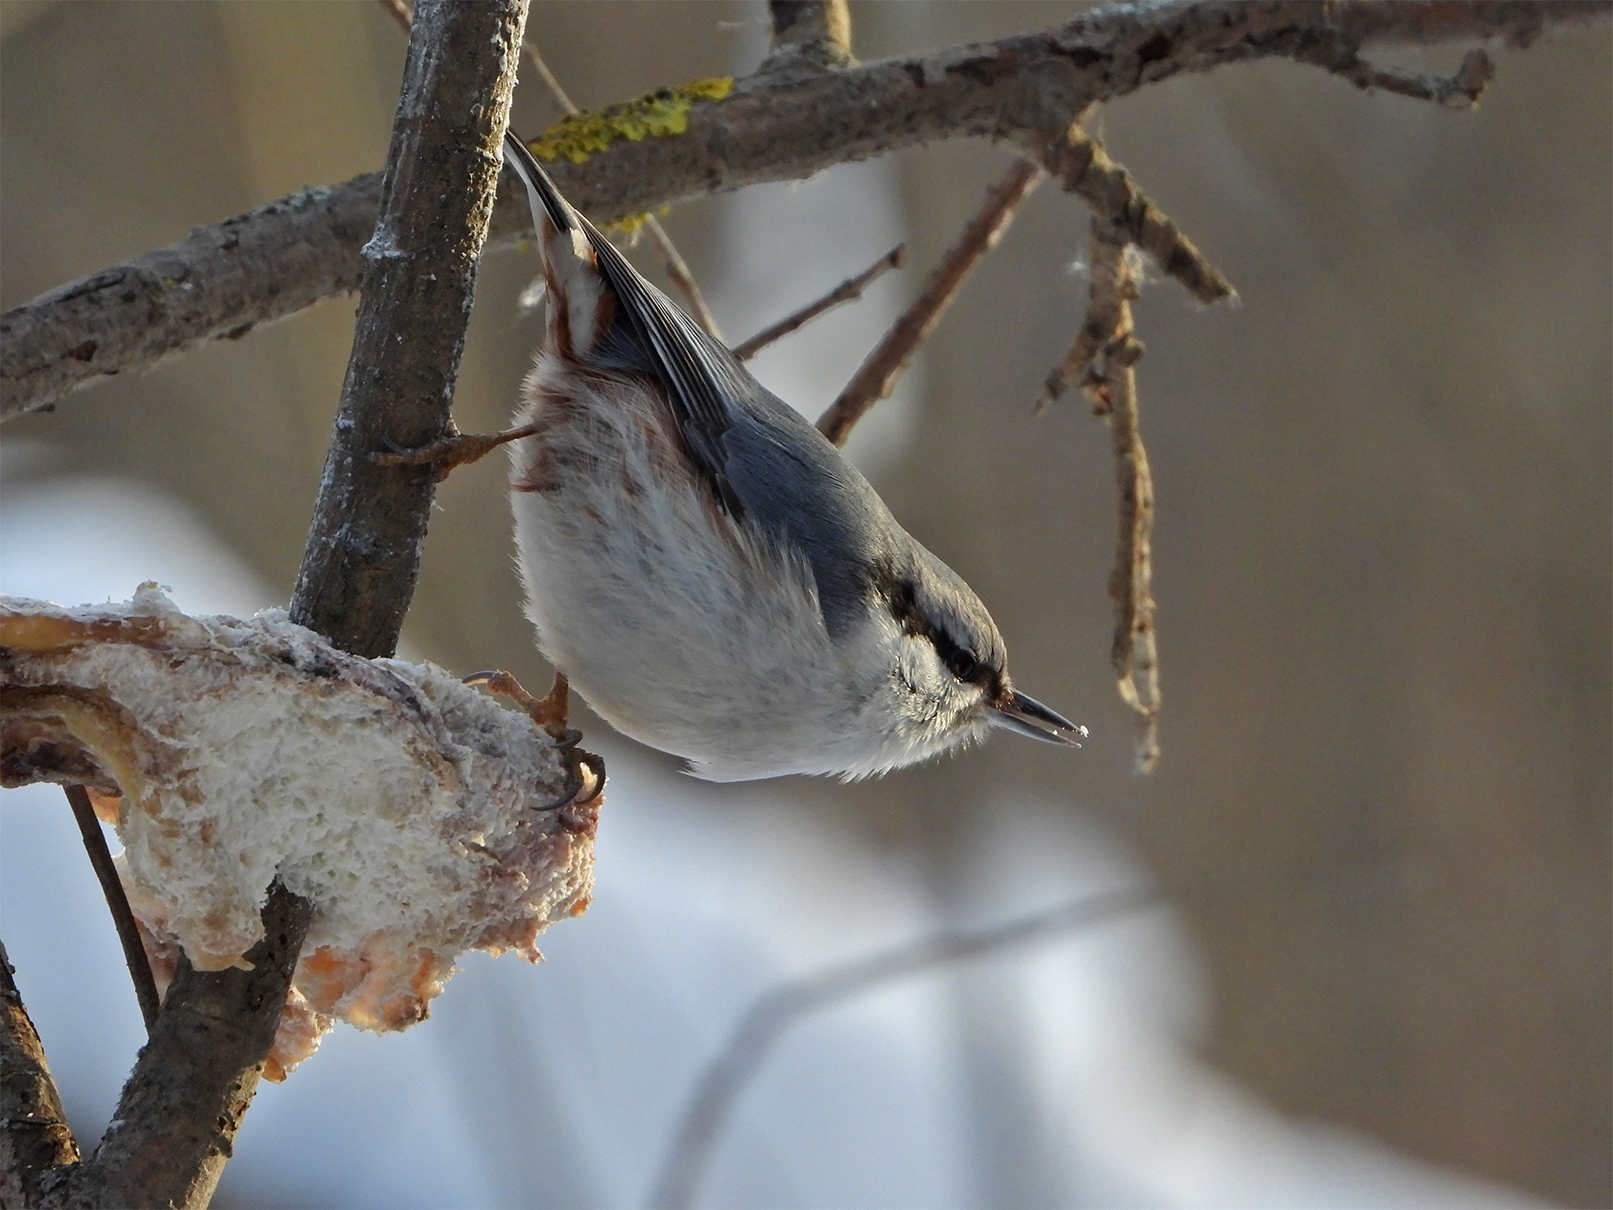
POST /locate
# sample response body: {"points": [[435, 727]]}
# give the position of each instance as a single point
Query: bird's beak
{"points": [[1013, 711]]}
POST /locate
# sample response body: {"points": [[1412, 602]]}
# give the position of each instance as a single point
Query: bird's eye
{"points": [[963, 665]]}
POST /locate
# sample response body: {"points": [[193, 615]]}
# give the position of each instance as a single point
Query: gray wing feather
{"points": [[700, 378], [767, 465]]}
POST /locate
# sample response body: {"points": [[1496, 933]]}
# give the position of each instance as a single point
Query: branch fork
{"points": [[195, 1079], [220, 281]]}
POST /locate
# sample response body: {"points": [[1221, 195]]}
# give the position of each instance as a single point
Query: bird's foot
{"points": [[551, 712], [453, 449]]}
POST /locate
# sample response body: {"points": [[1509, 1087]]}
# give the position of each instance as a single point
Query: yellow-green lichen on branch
{"points": [[629, 225], [661, 113]]}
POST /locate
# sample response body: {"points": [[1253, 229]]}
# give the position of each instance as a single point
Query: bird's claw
{"points": [[587, 771], [586, 780], [453, 449], [549, 712]]}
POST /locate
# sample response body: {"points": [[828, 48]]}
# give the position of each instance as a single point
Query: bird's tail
{"points": [[540, 191], [580, 302]]}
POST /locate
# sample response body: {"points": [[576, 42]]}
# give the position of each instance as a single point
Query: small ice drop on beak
{"points": [[1027, 716]]}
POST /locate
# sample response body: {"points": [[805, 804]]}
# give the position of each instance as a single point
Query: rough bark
{"points": [[776, 126], [35, 1140], [363, 550], [809, 34], [175, 1124]]}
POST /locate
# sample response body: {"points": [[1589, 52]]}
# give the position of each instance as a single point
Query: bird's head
{"points": [[947, 665]]}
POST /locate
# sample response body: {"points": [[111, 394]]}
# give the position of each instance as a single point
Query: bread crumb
{"points": [[419, 816]]}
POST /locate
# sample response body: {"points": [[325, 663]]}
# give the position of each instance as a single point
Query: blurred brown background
{"points": [[1382, 554]]}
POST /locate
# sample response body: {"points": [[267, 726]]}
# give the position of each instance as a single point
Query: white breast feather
{"points": [[719, 656]]}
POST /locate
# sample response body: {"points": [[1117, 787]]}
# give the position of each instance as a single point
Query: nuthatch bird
{"points": [[711, 574]]}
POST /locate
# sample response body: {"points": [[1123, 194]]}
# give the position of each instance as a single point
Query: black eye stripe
{"points": [[959, 660], [904, 608]]}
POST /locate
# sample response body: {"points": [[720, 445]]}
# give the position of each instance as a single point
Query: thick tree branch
{"points": [[215, 284], [195, 1079], [175, 1123], [363, 552], [811, 35], [277, 260], [35, 1140]]}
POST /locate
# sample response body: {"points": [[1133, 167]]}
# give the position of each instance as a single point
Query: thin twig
{"points": [[1459, 91], [1075, 367], [726, 1076], [399, 12], [877, 375], [134, 951], [1085, 169], [1102, 361], [551, 81], [677, 269], [811, 35], [847, 291], [35, 1139]]}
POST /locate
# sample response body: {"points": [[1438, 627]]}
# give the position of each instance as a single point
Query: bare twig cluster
{"points": [[1103, 356], [221, 281], [1084, 168], [1102, 360]]}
